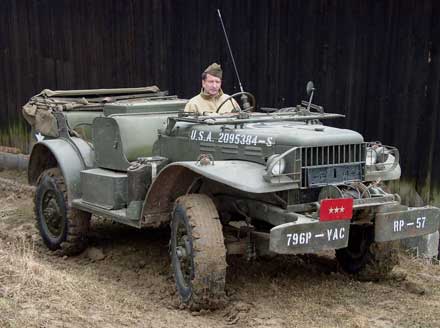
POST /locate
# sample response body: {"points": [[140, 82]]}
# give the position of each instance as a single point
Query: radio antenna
{"points": [[230, 50]]}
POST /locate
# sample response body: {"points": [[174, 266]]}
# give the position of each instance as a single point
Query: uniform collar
{"points": [[207, 96]]}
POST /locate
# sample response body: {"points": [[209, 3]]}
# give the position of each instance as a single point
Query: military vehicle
{"points": [[257, 182]]}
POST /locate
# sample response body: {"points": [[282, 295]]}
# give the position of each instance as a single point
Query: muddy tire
{"points": [[366, 259], [62, 228], [198, 253]]}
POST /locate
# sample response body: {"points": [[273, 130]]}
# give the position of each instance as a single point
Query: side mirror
{"points": [[310, 87]]}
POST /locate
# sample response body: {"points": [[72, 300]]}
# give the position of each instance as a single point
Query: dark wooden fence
{"points": [[375, 61]]}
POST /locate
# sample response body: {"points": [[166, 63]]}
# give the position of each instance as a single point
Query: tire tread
{"points": [[209, 249], [78, 222]]}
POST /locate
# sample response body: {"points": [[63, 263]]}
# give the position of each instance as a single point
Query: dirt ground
{"points": [[124, 280]]}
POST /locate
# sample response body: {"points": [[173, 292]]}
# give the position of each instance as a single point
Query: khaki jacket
{"points": [[205, 103]]}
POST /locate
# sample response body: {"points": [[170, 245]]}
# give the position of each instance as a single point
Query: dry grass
{"points": [[40, 290], [34, 293], [132, 286], [28, 284]]}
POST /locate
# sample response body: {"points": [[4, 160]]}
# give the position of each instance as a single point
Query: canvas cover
{"points": [[38, 110]]}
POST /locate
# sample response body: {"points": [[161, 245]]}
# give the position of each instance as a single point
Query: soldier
{"points": [[211, 95]]}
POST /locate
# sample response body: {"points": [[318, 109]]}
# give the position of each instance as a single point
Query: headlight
{"points": [[385, 162], [371, 157], [376, 155], [276, 165], [279, 167]]}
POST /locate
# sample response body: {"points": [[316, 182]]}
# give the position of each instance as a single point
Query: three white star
{"points": [[332, 210]]}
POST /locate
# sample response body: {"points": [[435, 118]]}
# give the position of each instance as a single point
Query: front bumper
{"points": [[392, 222], [309, 236]]}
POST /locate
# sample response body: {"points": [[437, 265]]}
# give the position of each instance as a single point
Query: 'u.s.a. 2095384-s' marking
{"points": [[230, 138]]}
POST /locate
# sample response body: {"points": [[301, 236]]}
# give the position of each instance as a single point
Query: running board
{"points": [[119, 216]]}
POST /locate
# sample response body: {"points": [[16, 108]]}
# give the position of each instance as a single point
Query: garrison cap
{"points": [[215, 70]]}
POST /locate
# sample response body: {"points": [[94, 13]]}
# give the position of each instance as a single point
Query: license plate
{"points": [[302, 238], [404, 224], [318, 176]]}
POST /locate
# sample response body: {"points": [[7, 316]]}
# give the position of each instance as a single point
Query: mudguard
{"points": [[71, 156], [241, 175], [174, 180]]}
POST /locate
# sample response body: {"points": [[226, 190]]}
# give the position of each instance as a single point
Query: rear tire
{"points": [[365, 258], [198, 253], [61, 227]]}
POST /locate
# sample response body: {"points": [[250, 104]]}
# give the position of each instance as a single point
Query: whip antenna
{"points": [[230, 50]]}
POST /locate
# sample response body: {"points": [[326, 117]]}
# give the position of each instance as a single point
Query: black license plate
{"points": [[318, 176]]}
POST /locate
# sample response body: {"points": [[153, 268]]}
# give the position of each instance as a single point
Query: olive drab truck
{"points": [[264, 181]]}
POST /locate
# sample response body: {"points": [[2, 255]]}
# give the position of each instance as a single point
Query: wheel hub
{"points": [[52, 214], [184, 254]]}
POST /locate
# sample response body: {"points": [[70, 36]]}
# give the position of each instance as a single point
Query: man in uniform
{"points": [[211, 96]]}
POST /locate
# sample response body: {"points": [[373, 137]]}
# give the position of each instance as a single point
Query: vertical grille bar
{"points": [[331, 155], [333, 151], [328, 156], [316, 155]]}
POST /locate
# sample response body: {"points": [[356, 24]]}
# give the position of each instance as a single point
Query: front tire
{"points": [[198, 253], [61, 227], [365, 258]]}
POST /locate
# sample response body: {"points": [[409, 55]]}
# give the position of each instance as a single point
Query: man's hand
{"points": [[209, 114]]}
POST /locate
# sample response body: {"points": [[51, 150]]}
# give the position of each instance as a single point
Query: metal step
{"points": [[119, 215]]}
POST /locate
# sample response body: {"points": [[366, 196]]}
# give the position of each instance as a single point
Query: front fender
{"points": [[175, 179], [71, 156], [241, 175]]}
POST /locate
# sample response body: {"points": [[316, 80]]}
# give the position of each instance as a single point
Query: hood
{"points": [[301, 134]]}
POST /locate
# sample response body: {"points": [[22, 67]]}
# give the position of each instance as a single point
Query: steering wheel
{"points": [[248, 94]]}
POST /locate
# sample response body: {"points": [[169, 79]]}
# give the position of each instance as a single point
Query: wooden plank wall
{"points": [[375, 61]]}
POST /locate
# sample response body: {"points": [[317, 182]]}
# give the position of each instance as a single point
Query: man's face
{"points": [[212, 84]]}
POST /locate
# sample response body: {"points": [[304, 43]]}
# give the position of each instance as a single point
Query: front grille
{"points": [[314, 160], [332, 155]]}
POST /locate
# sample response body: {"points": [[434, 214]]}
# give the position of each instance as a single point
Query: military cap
{"points": [[215, 70]]}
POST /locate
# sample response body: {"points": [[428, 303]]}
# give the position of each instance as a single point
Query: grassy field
{"points": [[131, 285]]}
